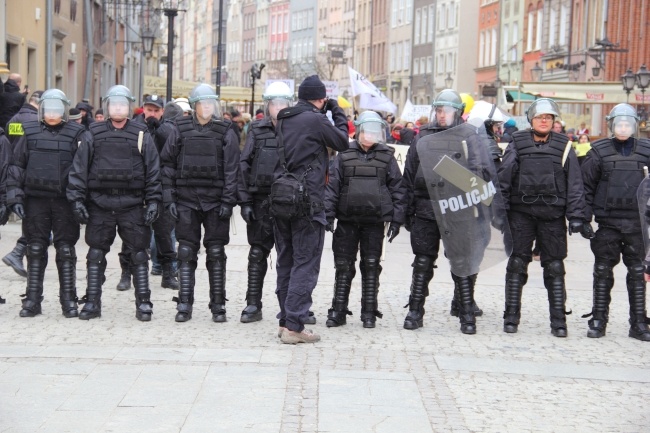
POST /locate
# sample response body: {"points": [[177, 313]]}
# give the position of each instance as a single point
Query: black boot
{"points": [[125, 278], [422, 274], [603, 283], [66, 263], [140, 272], [257, 267], [554, 283], [636, 291], [216, 264], [95, 265], [168, 280], [370, 271], [455, 304], [345, 271], [15, 259], [186, 271], [516, 278], [36, 262], [466, 312]]}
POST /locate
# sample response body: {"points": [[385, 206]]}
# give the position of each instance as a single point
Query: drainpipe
{"points": [[90, 63], [48, 44]]}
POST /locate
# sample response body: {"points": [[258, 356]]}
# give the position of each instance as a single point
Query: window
{"points": [[393, 15], [417, 29], [493, 48], [442, 13], [506, 8], [506, 41], [450, 62], [515, 42], [409, 11], [424, 26], [431, 24], [564, 17], [429, 65], [441, 64], [552, 26], [391, 57], [407, 56], [481, 50], [529, 34], [416, 67], [538, 33], [451, 17]]}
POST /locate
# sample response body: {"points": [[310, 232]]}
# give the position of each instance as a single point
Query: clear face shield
{"points": [[370, 133], [623, 127], [52, 111], [443, 116], [206, 110], [118, 108], [273, 106]]}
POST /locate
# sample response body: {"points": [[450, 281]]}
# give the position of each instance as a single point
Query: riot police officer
{"points": [[447, 109], [612, 172], [163, 243], [37, 183], [201, 164], [364, 193], [542, 185], [115, 182], [258, 163]]}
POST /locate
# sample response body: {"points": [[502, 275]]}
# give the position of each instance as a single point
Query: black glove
{"points": [[80, 213], [19, 210], [153, 123], [393, 230], [330, 225], [499, 224], [151, 214], [225, 212], [173, 211], [575, 226], [331, 104], [4, 215], [587, 232], [247, 213], [408, 224]]}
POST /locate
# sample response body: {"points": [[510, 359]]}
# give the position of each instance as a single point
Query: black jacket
{"points": [[5, 159], [393, 184], [575, 197], [10, 102], [202, 198], [159, 134], [26, 113], [78, 189], [306, 137]]}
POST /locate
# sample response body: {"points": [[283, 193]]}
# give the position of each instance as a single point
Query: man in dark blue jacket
{"points": [[304, 132]]}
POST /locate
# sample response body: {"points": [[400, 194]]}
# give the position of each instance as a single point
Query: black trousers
{"points": [[45, 215], [610, 244], [188, 227], [162, 234], [425, 238], [100, 230], [349, 237], [260, 231], [550, 235]]}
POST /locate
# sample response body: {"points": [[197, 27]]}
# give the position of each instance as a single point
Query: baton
{"points": [[140, 137], [645, 170], [383, 244], [566, 152], [465, 148]]}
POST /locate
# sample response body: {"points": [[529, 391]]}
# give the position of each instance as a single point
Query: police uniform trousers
{"points": [[260, 237], [100, 234], [299, 246], [215, 236], [551, 236], [162, 234], [349, 238], [43, 216], [608, 246]]}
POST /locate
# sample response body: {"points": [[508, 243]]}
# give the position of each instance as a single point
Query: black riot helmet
{"points": [[622, 121], [53, 107], [446, 109]]}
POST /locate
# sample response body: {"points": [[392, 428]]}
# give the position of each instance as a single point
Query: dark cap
{"points": [[154, 100], [37, 94], [74, 114], [312, 88]]}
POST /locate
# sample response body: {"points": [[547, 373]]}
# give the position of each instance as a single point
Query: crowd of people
{"points": [[167, 177]]}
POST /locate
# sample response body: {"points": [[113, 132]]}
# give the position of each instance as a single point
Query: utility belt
{"points": [[120, 191]]}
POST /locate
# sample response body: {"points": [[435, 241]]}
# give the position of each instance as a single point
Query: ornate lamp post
{"points": [[536, 73], [256, 74], [170, 9], [628, 79], [449, 81]]}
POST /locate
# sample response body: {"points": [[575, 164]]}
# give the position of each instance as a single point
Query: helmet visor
{"points": [[273, 106], [118, 108], [207, 109], [53, 111], [443, 115], [623, 127], [370, 133]]}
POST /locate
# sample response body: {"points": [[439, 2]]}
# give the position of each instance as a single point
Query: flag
{"points": [[372, 102], [371, 97]]}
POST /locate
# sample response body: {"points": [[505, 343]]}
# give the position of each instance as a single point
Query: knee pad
{"points": [[95, 255], [257, 254], [139, 257], [636, 271], [186, 253], [216, 253], [66, 252], [35, 250], [343, 264], [603, 271], [371, 262], [422, 263], [517, 265], [555, 268]]}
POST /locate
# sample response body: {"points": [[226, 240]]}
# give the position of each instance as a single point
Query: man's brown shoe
{"points": [[306, 336]]}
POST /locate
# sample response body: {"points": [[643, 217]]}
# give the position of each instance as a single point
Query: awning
{"points": [[581, 92], [158, 86], [520, 96]]}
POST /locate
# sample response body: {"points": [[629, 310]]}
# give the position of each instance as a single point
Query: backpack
{"points": [[289, 198]]}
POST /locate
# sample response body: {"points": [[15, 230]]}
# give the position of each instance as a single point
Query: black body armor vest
{"points": [[50, 158], [200, 162], [117, 163], [266, 160]]}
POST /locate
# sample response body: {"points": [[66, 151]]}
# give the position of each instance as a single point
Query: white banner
{"points": [[372, 102], [331, 88], [400, 154], [411, 112]]}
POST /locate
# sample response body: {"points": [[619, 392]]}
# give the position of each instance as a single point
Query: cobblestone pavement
{"points": [[115, 374]]}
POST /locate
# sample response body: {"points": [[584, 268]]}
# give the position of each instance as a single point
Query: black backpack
{"points": [[289, 198]]}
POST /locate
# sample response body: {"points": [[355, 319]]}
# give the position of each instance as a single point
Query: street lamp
{"points": [[148, 38], [536, 72], [4, 72], [642, 82], [628, 79], [170, 9], [256, 74], [449, 81]]}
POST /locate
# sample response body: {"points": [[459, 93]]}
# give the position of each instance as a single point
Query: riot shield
{"points": [[465, 196], [643, 198]]}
